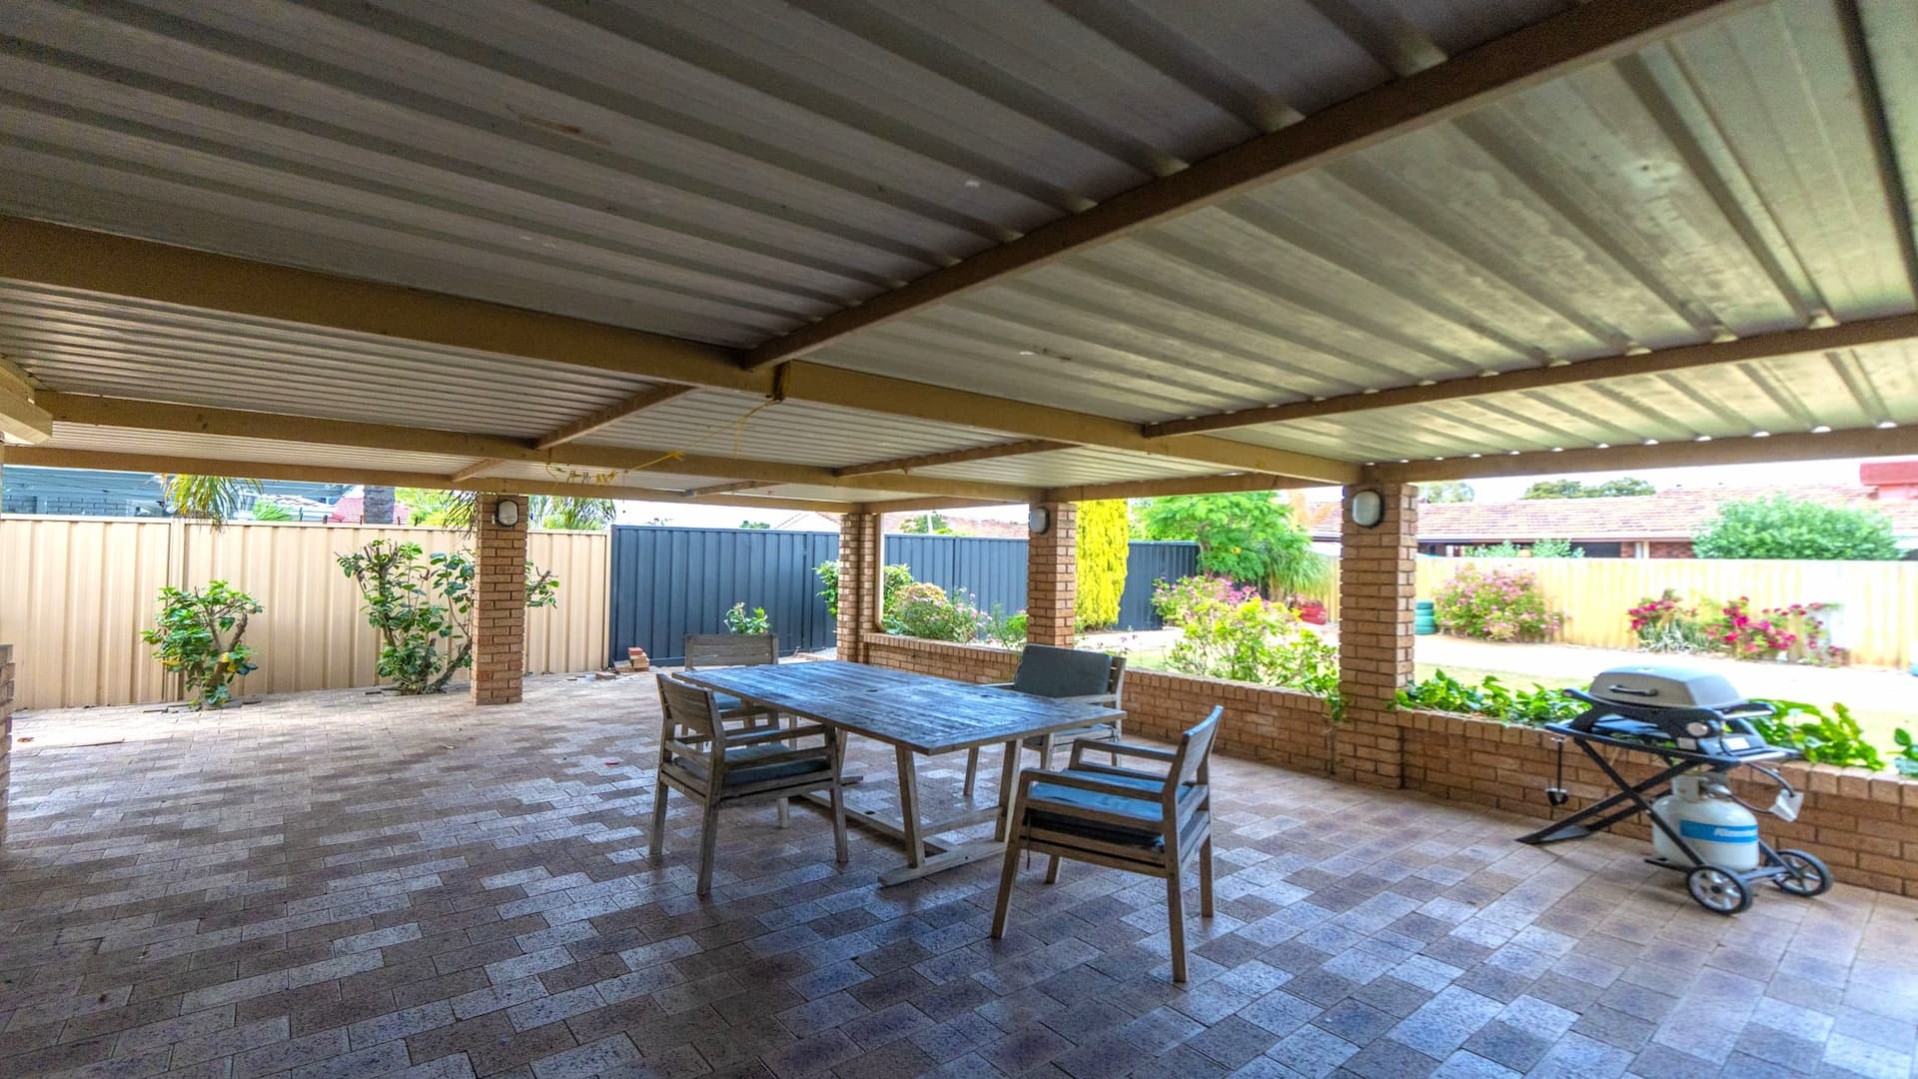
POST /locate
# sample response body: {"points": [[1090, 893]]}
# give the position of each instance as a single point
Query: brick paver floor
{"points": [[344, 885]]}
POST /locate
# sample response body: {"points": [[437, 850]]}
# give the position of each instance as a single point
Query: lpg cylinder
{"points": [[1724, 833]]}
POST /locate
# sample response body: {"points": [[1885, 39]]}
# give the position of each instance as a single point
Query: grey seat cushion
{"points": [[729, 704], [741, 771], [1148, 814], [1048, 671]]}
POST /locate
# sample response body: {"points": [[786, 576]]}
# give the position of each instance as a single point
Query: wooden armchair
{"points": [[715, 767], [732, 650], [1068, 674], [1138, 821]]}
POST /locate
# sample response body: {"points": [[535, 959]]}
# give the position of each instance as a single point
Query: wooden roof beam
{"points": [[48, 457], [1856, 442], [978, 453], [21, 417], [1659, 362], [63, 257], [476, 469], [611, 414], [1176, 485], [1583, 35], [196, 419], [726, 488]]}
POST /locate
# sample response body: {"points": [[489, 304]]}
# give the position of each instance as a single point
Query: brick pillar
{"points": [[861, 548], [1052, 577], [1377, 580], [499, 603]]}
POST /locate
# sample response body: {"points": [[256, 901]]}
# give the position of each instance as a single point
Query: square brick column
{"points": [[861, 549], [499, 603], [1052, 577], [1377, 581]]}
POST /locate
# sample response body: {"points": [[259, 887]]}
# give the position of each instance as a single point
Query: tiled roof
{"points": [[1673, 514]]}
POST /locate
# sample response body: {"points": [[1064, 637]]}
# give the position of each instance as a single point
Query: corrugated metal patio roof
{"points": [[730, 173]]}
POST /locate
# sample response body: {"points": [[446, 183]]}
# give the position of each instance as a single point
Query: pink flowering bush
{"points": [[1495, 605], [1794, 633]]}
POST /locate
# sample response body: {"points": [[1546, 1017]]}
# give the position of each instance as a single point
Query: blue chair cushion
{"points": [[1148, 813], [740, 770]]}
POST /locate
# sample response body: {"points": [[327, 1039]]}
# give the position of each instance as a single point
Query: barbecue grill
{"points": [[1693, 721]]}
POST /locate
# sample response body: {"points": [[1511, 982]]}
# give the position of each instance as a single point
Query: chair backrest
{"points": [[685, 705], [730, 649], [1050, 671], [1195, 749]]}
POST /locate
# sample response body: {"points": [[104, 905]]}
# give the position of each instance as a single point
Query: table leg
{"points": [[909, 806], [1008, 784]]}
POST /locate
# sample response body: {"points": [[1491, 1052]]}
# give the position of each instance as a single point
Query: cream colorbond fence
{"points": [[1877, 615], [75, 592]]}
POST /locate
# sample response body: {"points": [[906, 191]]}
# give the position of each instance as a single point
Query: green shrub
{"points": [[1907, 758], [1529, 707], [423, 609], [1494, 605], [894, 578], [1785, 527], [265, 509], [1232, 633], [924, 610], [739, 620], [1823, 739], [1006, 630], [199, 638], [1104, 543]]}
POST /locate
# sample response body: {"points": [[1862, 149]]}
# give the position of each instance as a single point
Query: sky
{"points": [[1501, 489]]}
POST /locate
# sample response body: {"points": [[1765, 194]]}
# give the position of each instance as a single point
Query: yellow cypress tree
{"points": [[1105, 536]]}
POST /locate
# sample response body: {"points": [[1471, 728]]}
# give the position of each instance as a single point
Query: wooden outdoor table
{"points": [[915, 714]]}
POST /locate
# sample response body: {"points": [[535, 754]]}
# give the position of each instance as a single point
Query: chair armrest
{"points": [[1039, 775]]}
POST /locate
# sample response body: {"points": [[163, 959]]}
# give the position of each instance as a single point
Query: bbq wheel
{"points": [[1804, 874], [1718, 890]]}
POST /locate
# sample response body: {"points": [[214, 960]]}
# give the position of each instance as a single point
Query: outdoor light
{"points": [[1039, 520], [506, 513], [1368, 509]]}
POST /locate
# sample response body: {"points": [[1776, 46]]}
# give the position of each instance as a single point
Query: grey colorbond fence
{"points": [[668, 582]]}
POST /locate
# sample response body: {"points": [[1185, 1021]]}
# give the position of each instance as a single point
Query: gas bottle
{"points": [[1724, 833]]}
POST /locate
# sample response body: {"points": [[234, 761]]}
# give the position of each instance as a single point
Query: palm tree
{"points": [[207, 498], [572, 513], [441, 509]]}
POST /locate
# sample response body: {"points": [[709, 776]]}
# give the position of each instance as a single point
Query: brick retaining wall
{"points": [[1863, 824]]}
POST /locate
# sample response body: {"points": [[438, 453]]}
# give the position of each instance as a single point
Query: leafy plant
{"points": [[198, 636], [894, 580], [926, 524], [1664, 623], [1530, 707], [739, 620], [1907, 758], [1502, 549], [1823, 739], [1495, 604], [1006, 630], [572, 513], [1249, 537], [1785, 527], [265, 509], [423, 608], [1623, 487], [1794, 632], [1104, 543], [215, 499], [441, 509], [1447, 491], [1556, 548], [924, 610]]}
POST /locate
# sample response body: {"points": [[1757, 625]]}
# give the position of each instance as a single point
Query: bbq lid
{"points": [[1654, 686]]}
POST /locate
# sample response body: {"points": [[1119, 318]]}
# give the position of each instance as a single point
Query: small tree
{"points": [[1249, 537], [1622, 487], [1785, 527], [926, 524], [199, 638], [423, 610], [572, 513], [1448, 491], [1104, 543]]}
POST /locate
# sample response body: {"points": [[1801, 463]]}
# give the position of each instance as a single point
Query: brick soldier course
{"points": [[499, 603]]}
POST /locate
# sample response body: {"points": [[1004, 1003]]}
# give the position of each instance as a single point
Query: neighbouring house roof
{"points": [[1668, 515]]}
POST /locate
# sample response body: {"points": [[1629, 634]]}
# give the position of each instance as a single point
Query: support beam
{"points": [[1583, 35], [926, 505], [1177, 485], [195, 419], [980, 453], [1858, 442], [1661, 362], [726, 488], [21, 418], [63, 257], [476, 469], [46, 457], [611, 414]]}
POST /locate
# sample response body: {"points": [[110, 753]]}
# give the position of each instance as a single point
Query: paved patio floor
{"points": [[346, 885]]}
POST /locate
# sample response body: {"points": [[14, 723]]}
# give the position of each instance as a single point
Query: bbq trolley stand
{"points": [[1686, 737]]}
